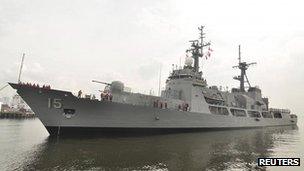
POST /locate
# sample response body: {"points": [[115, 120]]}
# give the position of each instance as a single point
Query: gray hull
{"points": [[94, 115]]}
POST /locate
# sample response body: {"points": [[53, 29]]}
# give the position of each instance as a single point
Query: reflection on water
{"points": [[216, 150]]}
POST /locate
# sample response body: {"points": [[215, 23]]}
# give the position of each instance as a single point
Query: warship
{"points": [[187, 103]]}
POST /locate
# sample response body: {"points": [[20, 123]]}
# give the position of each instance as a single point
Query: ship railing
{"points": [[33, 85], [279, 110]]}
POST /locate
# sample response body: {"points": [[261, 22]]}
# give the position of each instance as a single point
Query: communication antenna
{"points": [[21, 66], [180, 62], [201, 29], [239, 54], [159, 80]]}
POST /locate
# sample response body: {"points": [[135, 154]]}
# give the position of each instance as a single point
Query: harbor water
{"points": [[25, 145]]}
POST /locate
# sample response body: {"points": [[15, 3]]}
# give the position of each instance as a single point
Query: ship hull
{"points": [[53, 108], [106, 131]]}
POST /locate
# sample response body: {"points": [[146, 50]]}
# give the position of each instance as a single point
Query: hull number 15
{"points": [[54, 103]]}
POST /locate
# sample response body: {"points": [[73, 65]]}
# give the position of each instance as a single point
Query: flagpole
{"points": [[159, 80], [21, 66]]}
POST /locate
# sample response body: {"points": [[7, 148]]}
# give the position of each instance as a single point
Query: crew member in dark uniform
{"points": [[79, 93]]}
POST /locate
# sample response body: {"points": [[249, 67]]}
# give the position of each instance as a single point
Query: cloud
{"points": [[68, 43], [149, 70]]}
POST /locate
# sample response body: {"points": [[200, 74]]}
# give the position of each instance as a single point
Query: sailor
{"points": [[187, 107], [155, 104], [93, 97], [106, 96], [101, 96], [79, 93]]}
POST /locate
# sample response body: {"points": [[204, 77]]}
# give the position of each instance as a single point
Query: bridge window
{"points": [[266, 115], [254, 114], [277, 115], [238, 112], [218, 110]]}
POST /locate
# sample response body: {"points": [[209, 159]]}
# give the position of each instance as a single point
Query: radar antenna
{"points": [[243, 66], [197, 48]]}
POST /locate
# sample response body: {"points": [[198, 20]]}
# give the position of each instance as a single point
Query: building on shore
{"points": [[14, 104], [5, 100], [17, 103], [5, 108]]}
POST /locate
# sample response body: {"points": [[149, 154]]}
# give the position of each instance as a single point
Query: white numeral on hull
{"points": [[54, 103]]}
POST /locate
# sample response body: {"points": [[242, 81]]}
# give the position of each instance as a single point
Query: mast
{"points": [[201, 29], [197, 48], [21, 66], [243, 66]]}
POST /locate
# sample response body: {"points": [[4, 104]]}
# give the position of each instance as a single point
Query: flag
{"points": [[208, 54]]}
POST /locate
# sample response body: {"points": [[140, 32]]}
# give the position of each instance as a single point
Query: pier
{"points": [[16, 115]]}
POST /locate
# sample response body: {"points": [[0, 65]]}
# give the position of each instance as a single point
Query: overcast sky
{"points": [[70, 42]]}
